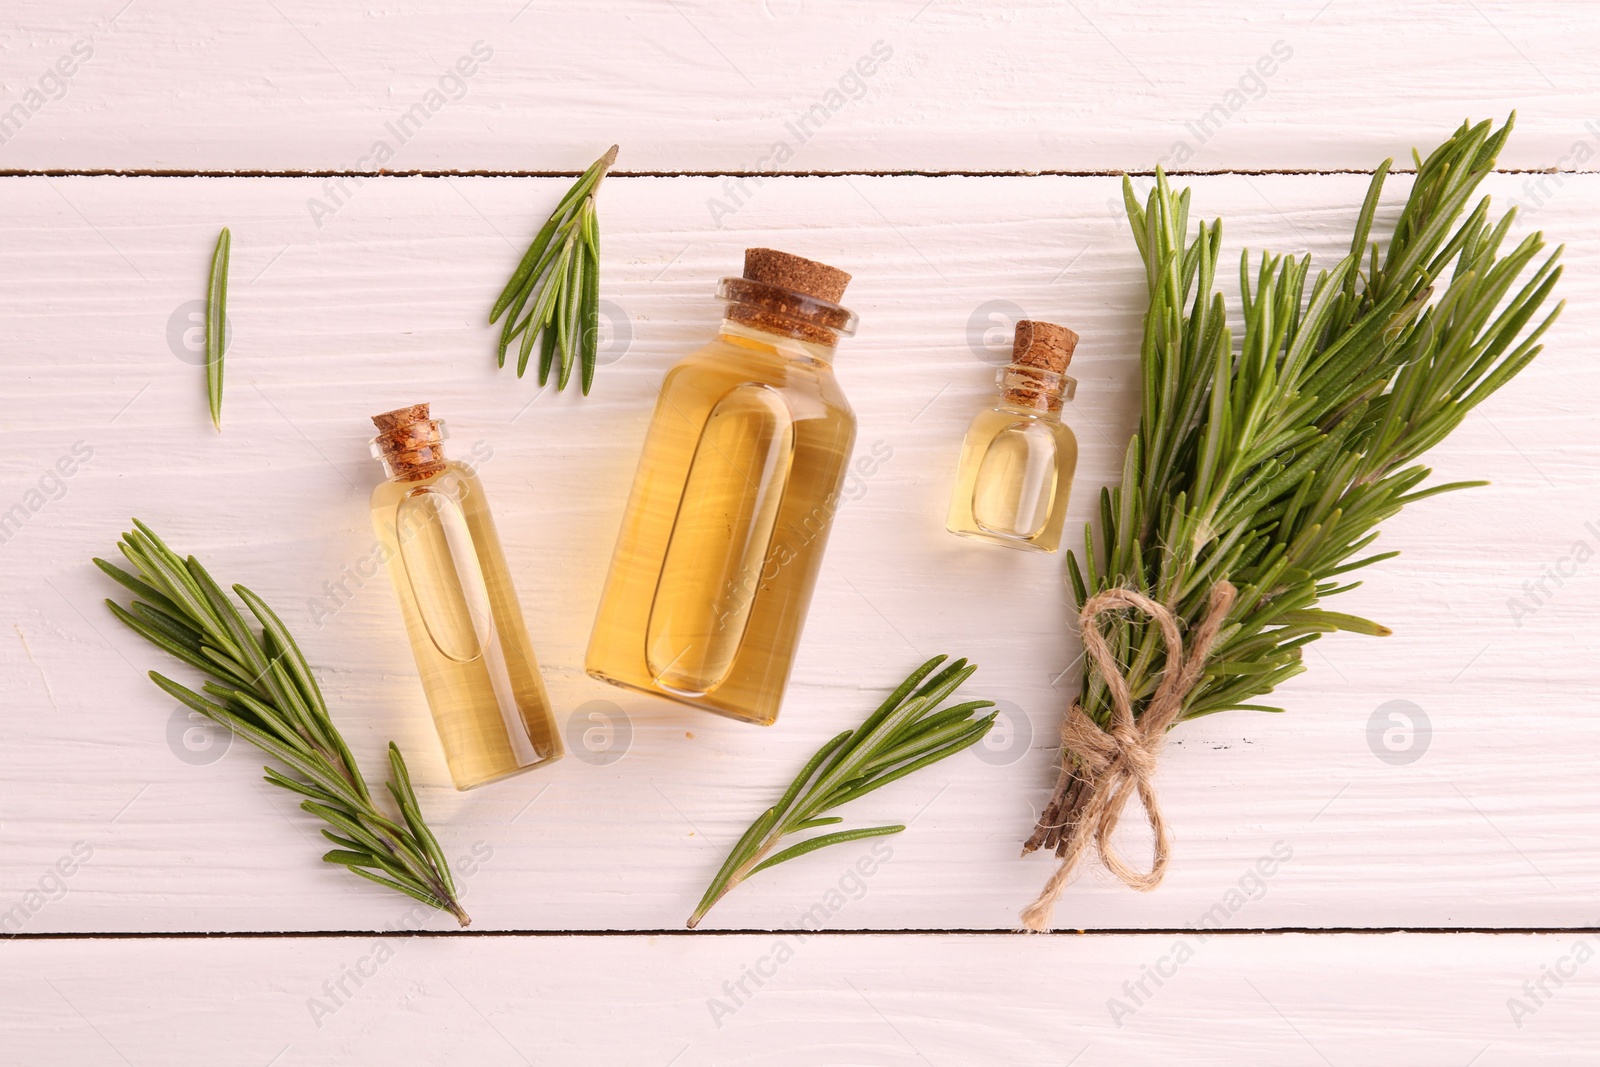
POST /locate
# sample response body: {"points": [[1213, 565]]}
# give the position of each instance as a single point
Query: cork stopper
{"points": [[1044, 345], [789, 295], [399, 417], [409, 443], [1037, 377], [795, 273]]}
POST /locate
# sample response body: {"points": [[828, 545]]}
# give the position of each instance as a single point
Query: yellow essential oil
{"points": [[1015, 474], [461, 612], [732, 503]]}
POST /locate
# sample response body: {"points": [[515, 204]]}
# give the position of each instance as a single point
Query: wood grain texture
{"points": [[691, 85], [938, 999], [384, 304]]}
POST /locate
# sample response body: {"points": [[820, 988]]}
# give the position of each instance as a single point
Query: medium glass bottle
{"points": [[1018, 457], [445, 562], [732, 503]]}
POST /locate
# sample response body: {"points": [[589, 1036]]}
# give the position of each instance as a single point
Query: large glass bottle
{"points": [[733, 500], [449, 573], [1018, 458]]}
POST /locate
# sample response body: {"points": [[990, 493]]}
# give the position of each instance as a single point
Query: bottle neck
{"points": [[738, 333], [1034, 389], [413, 451], [776, 312]]}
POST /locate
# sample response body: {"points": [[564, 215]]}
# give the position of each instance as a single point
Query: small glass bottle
{"points": [[445, 562], [1018, 457], [734, 497]]}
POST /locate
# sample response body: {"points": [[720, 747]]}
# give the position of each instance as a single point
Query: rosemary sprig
{"points": [[1271, 465], [555, 290], [907, 732], [217, 324], [262, 689]]}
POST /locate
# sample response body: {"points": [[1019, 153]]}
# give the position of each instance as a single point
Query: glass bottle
{"points": [[444, 559], [733, 499], [1018, 457]]}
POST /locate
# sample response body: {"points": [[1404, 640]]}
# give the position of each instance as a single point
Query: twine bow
{"points": [[1116, 763]]}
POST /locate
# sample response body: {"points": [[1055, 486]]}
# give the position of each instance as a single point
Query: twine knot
{"points": [[1117, 762]]}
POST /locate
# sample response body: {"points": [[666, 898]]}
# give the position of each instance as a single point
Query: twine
{"points": [[1118, 762]]}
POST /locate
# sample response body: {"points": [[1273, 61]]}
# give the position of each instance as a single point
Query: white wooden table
{"points": [[970, 177]]}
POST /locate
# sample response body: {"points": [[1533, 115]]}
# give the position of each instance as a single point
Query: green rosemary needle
{"points": [[217, 324], [907, 732], [261, 688], [554, 294]]}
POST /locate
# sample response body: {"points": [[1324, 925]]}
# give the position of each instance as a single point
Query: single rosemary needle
{"points": [[217, 324], [553, 296]]}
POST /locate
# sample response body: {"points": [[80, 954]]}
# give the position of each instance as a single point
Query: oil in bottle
{"points": [[735, 493], [1017, 461], [461, 612]]}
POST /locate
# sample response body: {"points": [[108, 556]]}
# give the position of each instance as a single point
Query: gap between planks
{"points": [[139, 172], [1155, 931]]}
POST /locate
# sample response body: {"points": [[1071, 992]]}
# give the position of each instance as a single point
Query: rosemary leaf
{"points": [[409, 889], [345, 858], [138, 586], [265, 693], [553, 296], [283, 781], [908, 731], [822, 842], [217, 324]]}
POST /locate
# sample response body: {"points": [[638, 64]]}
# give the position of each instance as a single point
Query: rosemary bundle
{"points": [[1259, 473], [261, 688], [907, 732], [554, 293]]}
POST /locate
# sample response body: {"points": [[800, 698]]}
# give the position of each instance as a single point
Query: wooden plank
{"points": [[933, 85], [932, 999], [384, 304]]}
